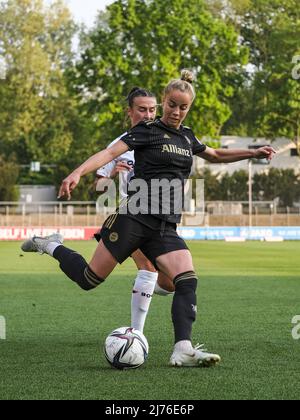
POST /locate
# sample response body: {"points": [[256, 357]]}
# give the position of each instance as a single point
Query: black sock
{"points": [[76, 268], [184, 306]]}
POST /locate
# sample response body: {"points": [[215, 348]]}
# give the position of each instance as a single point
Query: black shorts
{"points": [[122, 235]]}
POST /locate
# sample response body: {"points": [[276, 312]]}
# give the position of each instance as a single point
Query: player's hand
{"points": [[121, 167], [68, 185], [266, 152]]}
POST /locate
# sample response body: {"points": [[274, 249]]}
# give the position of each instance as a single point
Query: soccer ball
{"points": [[126, 348]]}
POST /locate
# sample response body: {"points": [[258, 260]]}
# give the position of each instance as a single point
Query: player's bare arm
{"points": [[96, 161], [235, 155]]}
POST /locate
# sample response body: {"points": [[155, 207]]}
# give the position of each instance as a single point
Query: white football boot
{"points": [[38, 244], [187, 356]]}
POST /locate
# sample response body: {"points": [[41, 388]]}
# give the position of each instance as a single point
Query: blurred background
{"points": [[67, 66]]}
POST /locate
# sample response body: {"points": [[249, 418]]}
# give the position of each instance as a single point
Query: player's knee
{"points": [[89, 280]]}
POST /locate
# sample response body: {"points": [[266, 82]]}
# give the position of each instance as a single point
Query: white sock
{"points": [[161, 292], [51, 247], [141, 298], [184, 346]]}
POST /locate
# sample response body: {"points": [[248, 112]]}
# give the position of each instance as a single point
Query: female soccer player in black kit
{"points": [[164, 151], [142, 106]]}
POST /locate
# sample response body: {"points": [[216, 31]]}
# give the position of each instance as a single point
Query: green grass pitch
{"points": [[247, 297]]}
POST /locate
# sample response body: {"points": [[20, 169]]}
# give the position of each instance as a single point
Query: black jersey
{"points": [[162, 154]]}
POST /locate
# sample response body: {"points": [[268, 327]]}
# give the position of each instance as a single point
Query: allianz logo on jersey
{"points": [[171, 148]]}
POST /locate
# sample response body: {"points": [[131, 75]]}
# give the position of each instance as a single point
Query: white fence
{"points": [[51, 213], [80, 213]]}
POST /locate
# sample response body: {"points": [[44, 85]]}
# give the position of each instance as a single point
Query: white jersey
{"points": [[125, 176]]}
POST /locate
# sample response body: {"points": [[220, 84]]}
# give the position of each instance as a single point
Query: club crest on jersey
{"points": [[171, 148]]}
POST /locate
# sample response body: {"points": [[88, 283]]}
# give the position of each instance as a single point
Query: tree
{"points": [[139, 42], [234, 187], [36, 110], [282, 183], [268, 104], [9, 172], [211, 184]]}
